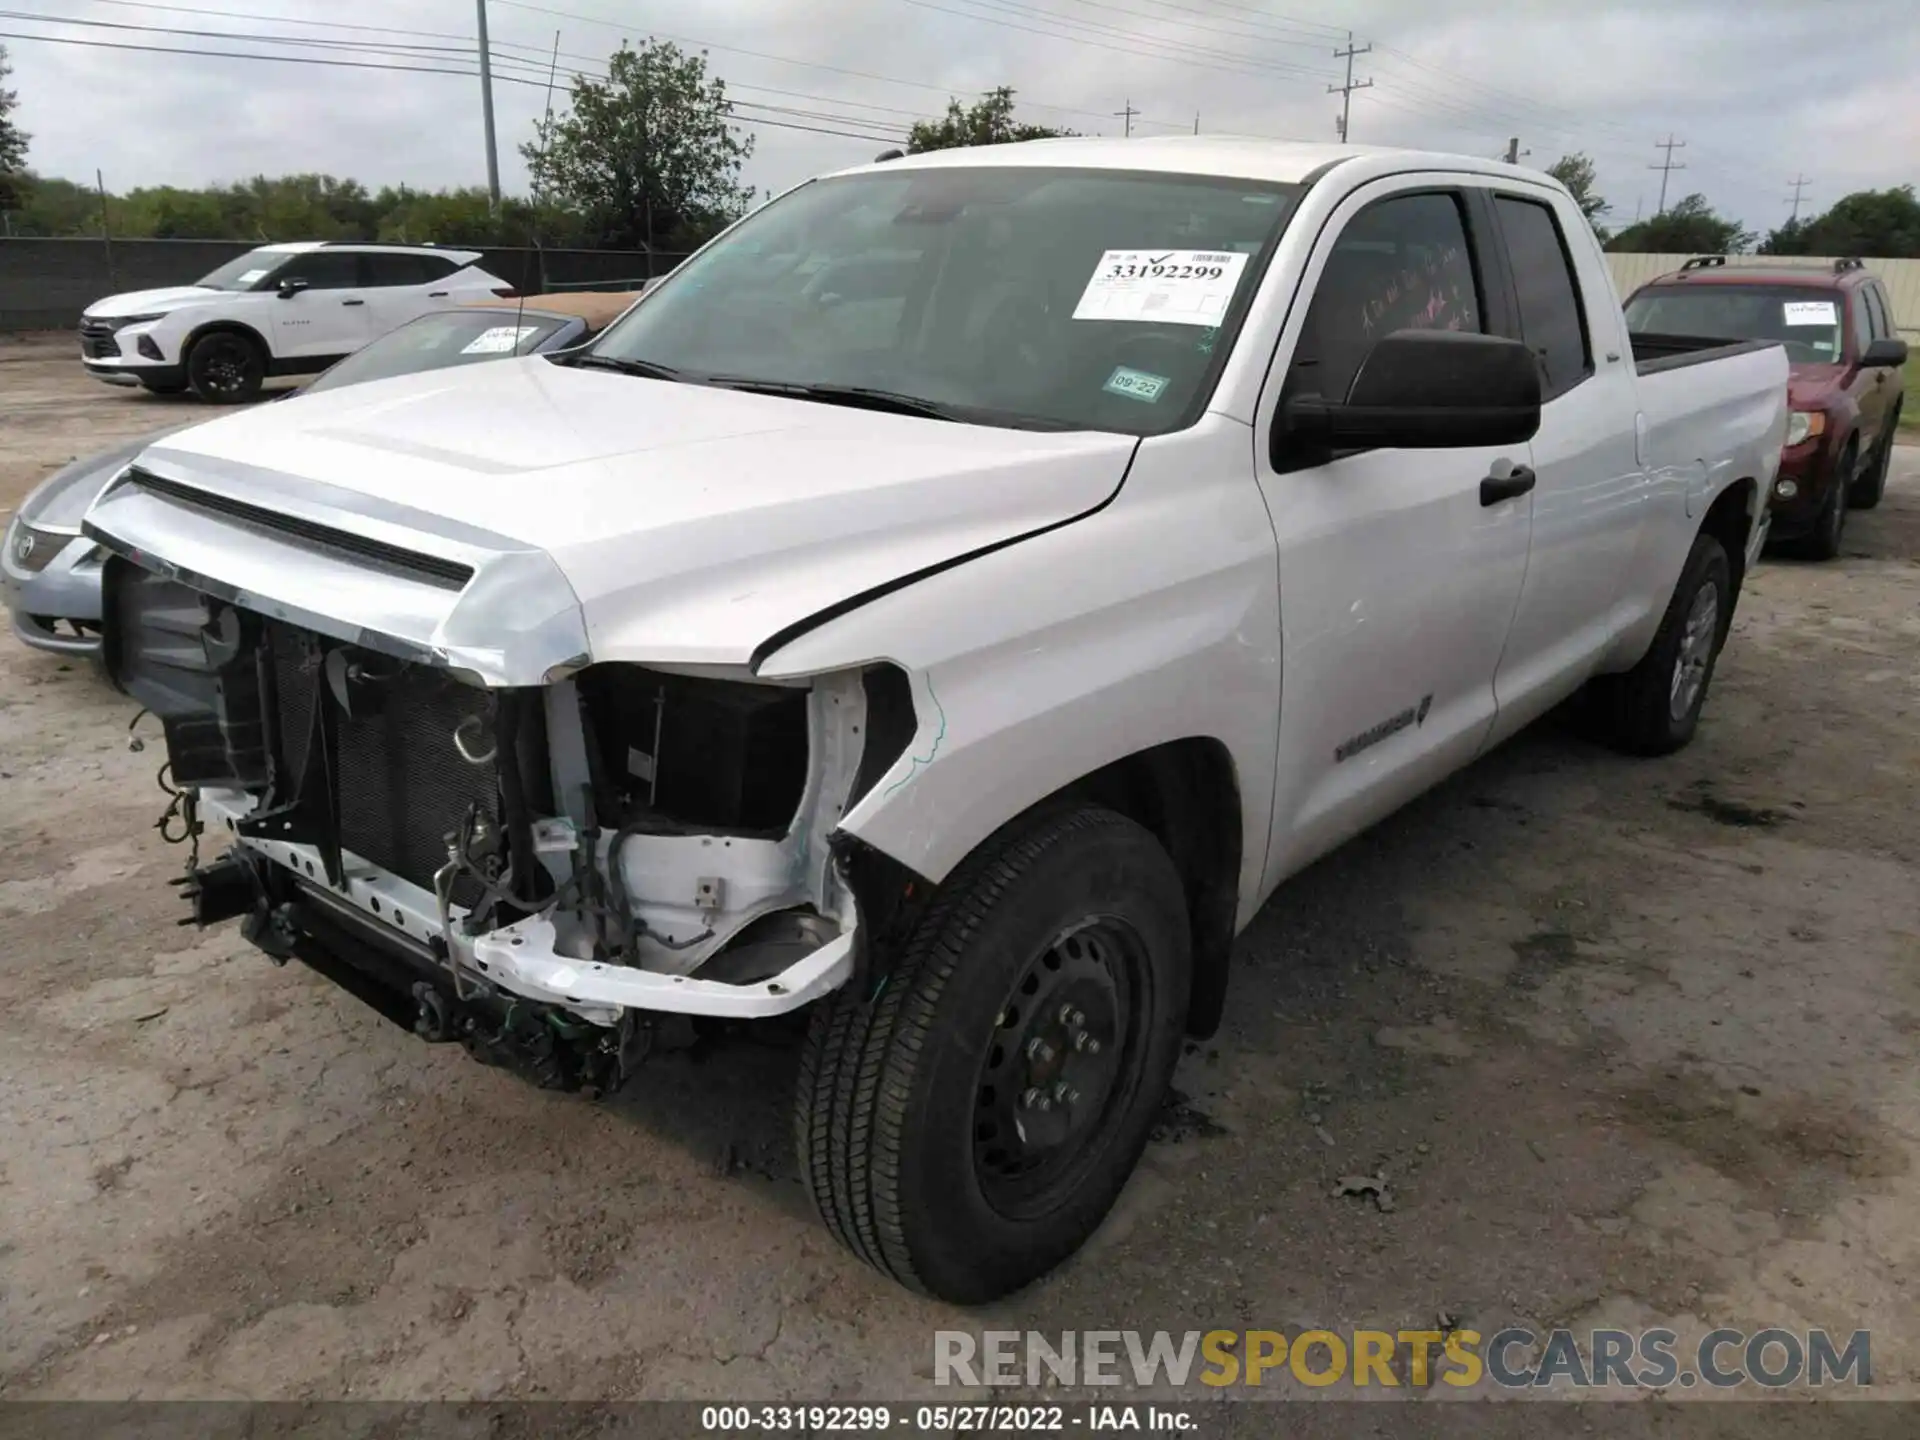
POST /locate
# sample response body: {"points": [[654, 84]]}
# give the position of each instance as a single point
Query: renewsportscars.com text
{"points": [[1514, 1358]]}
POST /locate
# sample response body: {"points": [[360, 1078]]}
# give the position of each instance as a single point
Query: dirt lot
{"points": [[1633, 1043]]}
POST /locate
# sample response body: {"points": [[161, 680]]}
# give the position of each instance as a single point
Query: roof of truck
{"points": [[1239, 156]]}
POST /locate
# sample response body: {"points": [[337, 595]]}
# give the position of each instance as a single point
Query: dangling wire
{"points": [[183, 806]]}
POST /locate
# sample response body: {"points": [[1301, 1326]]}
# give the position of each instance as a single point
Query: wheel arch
{"points": [[228, 327], [1185, 793], [1730, 520]]}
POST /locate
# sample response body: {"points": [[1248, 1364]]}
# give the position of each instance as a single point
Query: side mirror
{"points": [[291, 287], [1885, 352], [1424, 390]]}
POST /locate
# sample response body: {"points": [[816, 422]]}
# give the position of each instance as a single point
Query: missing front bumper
{"points": [[522, 959]]}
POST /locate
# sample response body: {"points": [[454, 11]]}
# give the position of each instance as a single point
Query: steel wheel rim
{"points": [[1062, 1065], [1696, 651]]}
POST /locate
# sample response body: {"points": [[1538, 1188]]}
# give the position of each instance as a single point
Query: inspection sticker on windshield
{"points": [[498, 340], [1135, 384], [1810, 312], [1174, 287], [250, 276]]}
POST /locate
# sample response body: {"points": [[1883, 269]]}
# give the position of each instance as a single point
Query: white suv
{"points": [[279, 310]]}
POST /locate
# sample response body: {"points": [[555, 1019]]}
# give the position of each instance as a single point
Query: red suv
{"points": [[1844, 386]]}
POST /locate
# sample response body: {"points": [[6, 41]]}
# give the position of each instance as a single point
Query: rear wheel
{"points": [[226, 368], [1868, 490], [966, 1124], [1655, 707]]}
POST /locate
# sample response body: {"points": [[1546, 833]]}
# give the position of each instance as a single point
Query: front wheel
{"points": [[1870, 488], [226, 368], [966, 1123], [1655, 707]]}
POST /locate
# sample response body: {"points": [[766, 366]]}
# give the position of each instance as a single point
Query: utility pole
{"points": [[486, 107], [1799, 183], [1128, 114], [1667, 166], [106, 224], [1196, 122], [1345, 92]]}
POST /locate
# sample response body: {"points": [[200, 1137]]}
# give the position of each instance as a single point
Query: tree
{"points": [[13, 143], [648, 156], [989, 121], [1881, 223], [1689, 227], [1575, 171]]}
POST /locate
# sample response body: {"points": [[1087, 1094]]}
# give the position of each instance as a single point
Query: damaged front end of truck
{"points": [[435, 797]]}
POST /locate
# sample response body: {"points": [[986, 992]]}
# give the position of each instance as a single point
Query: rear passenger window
{"points": [[1401, 264], [1551, 317], [390, 269], [1879, 323]]}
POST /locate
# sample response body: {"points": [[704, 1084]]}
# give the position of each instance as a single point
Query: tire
{"points": [[226, 368], [1644, 712], [917, 1096], [1871, 488], [167, 387], [1830, 526]]}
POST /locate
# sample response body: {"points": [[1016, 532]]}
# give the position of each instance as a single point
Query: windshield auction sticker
{"points": [[1174, 287], [498, 340], [1810, 312]]}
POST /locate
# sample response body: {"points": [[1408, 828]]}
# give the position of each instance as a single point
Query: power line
{"points": [[1177, 51], [404, 70], [1345, 92], [628, 31], [1667, 166]]}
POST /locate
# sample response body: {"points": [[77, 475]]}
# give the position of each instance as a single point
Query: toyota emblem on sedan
{"points": [[23, 547]]}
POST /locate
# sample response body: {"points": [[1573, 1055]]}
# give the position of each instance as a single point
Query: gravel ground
{"points": [[1633, 1042]]}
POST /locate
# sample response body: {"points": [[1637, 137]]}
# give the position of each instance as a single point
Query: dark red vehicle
{"points": [[1844, 388]]}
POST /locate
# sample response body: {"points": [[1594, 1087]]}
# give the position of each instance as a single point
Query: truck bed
{"points": [[1654, 353]]}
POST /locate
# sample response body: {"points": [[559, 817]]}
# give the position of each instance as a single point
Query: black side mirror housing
{"points": [[291, 287], [1423, 390], [1885, 352]]}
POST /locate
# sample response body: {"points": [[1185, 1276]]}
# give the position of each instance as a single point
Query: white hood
{"points": [[153, 302], [692, 523]]}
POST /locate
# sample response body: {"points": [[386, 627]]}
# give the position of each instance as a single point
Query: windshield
{"points": [[1015, 295], [1803, 318], [445, 338], [244, 272]]}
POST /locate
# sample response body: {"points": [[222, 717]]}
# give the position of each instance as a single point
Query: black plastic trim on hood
{"points": [[782, 638]]}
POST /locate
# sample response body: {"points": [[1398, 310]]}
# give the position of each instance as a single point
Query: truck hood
{"points": [[692, 524], [153, 302]]}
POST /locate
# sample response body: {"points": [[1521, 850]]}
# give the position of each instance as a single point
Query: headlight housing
{"points": [[120, 322], [1803, 425]]}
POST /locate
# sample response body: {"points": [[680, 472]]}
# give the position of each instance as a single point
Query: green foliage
{"points": [[989, 121], [13, 141], [648, 156], [1575, 171], [1689, 227], [1884, 224]]}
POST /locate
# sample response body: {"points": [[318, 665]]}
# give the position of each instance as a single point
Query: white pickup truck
{"points": [[952, 604]]}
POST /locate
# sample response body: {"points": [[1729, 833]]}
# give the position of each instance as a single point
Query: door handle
{"points": [[353, 302], [1517, 481], [436, 295]]}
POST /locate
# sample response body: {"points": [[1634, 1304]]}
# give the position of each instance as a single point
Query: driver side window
{"points": [[1402, 263]]}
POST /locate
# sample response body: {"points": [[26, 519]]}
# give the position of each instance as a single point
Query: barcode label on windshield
{"points": [[1172, 287]]}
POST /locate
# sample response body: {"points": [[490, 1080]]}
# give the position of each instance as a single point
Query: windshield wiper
{"points": [[646, 369], [860, 396]]}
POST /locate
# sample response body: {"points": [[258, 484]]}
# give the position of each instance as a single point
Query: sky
{"points": [[1761, 92]]}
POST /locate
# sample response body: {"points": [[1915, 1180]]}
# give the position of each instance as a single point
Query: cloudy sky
{"points": [[1761, 91]]}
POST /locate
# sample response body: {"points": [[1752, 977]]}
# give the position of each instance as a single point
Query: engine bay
{"points": [[624, 842]]}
